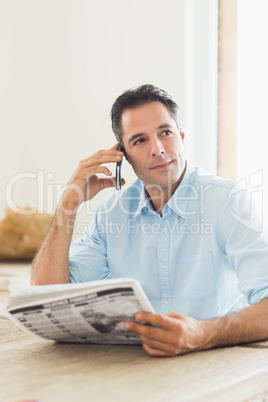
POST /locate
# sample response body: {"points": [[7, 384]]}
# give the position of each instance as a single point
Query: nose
{"points": [[157, 148]]}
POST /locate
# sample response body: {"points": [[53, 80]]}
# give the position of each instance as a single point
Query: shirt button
{"points": [[166, 301], [164, 230], [163, 266]]}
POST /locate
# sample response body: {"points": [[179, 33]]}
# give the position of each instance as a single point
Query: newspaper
{"points": [[93, 312]]}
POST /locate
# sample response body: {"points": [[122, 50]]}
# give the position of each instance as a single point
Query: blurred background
{"points": [[63, 63]]}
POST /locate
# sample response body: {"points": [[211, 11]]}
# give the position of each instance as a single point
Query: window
{"points": [[252, 97]]}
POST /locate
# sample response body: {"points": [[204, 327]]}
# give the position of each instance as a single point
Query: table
{"points": [[53, 372], [50, 372], [13, 274]]}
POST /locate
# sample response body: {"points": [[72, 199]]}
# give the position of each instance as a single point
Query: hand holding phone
{"points": [[118, 174]]}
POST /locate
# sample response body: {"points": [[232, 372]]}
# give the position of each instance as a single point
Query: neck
{"points": [[160, 196]]}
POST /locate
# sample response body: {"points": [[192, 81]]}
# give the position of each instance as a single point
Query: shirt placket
{"points": [[163, 265]]}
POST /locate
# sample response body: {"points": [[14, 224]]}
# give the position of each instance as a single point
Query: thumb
{"points": [[109, 182], [173, 314]]}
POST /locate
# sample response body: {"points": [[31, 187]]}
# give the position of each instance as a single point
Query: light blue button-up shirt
{"points": [[207, 256]]}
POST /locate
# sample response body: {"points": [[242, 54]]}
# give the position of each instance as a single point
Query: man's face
{"points": [[154, 145]]}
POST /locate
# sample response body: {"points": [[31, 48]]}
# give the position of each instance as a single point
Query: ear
{"points": [[127, 158], [122, 148], [125, 154], [182, 134]]}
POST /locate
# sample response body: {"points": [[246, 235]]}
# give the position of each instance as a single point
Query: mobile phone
{"points": [[118, 174]]}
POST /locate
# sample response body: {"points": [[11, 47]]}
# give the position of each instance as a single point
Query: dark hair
{"points": [[140, 96]]}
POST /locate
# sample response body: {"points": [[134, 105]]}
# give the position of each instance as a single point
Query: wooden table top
{"points": [[13, 274], [46, 371], [53, 372]]}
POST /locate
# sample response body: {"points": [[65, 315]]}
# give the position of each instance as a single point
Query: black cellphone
{"points": [[118, 174]]}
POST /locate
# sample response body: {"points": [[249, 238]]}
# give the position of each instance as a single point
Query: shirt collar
{"points": [[145, 202], [179, 201]]}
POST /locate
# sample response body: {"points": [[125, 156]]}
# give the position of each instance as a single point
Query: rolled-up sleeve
{"points": [[245, 240], [88, 255]]}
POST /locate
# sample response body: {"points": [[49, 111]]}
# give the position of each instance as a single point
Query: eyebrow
{"points": [[134, 136]]}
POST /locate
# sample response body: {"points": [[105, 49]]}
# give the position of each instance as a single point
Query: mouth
{"points": [[161, 166]]}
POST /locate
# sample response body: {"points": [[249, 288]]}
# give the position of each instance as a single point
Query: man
{"points": [[191, 239]]}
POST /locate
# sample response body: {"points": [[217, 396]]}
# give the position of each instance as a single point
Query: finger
{"points": [[170, 348], [115, 146], [94, 170], [111, 182], [159, 320], [112, 151], [155, 352], [148, 332], [99, 158], [172, 314], [105, 183]]}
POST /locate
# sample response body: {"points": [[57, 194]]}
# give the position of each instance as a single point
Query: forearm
{"points": [[173, 334], [248, 325], [51, 263]]}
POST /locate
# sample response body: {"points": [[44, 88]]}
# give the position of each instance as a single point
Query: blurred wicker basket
{"points": [[22, 234]]}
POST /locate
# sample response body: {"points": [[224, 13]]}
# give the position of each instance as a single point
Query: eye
{"points": [[166, 132], [139, 141]]}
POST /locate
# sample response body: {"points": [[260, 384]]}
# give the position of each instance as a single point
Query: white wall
{"points": [[200, 75], [66, 61], [10, 92]]}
